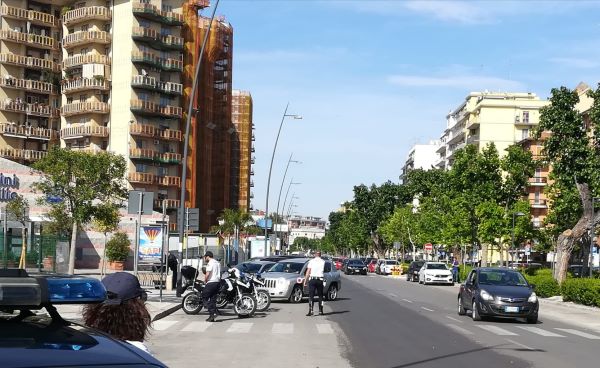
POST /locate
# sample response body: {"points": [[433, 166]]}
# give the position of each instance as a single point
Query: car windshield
{"points": [[436, 266], [249, 267], [287, 267], [356, 262], [418, 265], [501, 277], [391, 262]]}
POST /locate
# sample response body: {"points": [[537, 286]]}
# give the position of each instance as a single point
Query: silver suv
{"points": [[285, 280]]}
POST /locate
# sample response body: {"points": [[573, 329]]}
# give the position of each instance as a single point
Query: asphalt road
{"points": [[394, 323]]}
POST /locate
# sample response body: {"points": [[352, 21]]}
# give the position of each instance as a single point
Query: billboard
{"points": [[261, 223], [150, 243]]}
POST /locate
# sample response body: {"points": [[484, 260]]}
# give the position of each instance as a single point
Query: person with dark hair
{"points": [[314, 278], [123, 314], [212, 279]]}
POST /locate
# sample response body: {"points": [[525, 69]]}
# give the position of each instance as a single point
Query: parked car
{"points": [[372, 265], [254, 267], [498, 292], [435, 273], [338, 262], [412, 274], [354, 266], [384, 267], [284, 280]]}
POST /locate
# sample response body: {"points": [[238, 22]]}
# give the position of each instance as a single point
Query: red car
{"points": [[372, 265], [339, 262]]}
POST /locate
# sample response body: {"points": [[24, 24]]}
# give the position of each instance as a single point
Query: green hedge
{"points": [[545, 285], [582, 291]]}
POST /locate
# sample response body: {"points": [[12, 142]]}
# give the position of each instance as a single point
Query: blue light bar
{"points": [[76, 290], [20, 292]]}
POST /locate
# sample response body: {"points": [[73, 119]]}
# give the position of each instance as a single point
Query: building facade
{"points": [[486, 117], [307, 227], [420, 156], [243, 149]]}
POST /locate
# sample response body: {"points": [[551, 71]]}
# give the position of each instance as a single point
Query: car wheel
{"points": [[332, 292], [296, 296], [475, 312], [532, 320], [461, 309]]}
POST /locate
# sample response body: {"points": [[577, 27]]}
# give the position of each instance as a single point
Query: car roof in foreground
{"points": [[294, 260]]}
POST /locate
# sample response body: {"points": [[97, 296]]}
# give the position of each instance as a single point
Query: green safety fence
{"points": [[40, 254]]}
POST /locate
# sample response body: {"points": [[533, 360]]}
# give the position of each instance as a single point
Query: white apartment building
{"points": [[308, 227], [420, 156]]}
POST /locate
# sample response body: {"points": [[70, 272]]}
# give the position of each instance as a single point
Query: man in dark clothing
{"points": [[172, 263], [212, 279]]}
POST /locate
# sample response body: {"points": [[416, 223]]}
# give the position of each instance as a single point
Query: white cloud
{"points": [[579, 63], [470, 82], [451, 11]]}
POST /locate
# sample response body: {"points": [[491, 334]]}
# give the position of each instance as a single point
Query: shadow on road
{"points": [[337, 312]]}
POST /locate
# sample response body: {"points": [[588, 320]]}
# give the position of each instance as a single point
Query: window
{"points": [[538, 172], [83, 98], [525, 133], [327, 267], [85, 27], [84, 51], [525, 117], [140, 168]]}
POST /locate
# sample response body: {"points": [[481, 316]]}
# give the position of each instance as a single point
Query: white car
{"points": [[385, 266], [435, 273]]}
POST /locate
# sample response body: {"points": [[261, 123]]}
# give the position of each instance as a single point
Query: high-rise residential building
{"points": [[485, 117], [420, 156], [536, 195], [307, 227], [209, 161], [243, 149]]}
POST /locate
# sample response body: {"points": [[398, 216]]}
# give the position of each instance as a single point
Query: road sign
{"points": [[133, 204], [428, 247], [191, 218]]}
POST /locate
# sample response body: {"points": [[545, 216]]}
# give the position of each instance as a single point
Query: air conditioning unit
{"points": [[517, 119], [156, 141]]}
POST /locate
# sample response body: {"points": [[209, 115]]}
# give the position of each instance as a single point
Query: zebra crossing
{"points": [[505, 331], [276, 328]]}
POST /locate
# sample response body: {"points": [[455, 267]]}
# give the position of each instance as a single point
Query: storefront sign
{"points": [[6, 184]]}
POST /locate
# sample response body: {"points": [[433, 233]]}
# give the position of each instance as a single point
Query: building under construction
{"points": [[242, 150]]}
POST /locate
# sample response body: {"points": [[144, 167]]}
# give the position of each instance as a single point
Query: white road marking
{"points": [[579, 333], [162, 325], [454, 319], [456, 328], [497, 330], [539, 331], [282, 328], [324, 328], [519, 344], [196, 327], [393, 295], [427, 309], [239, 327], [408, 301]]}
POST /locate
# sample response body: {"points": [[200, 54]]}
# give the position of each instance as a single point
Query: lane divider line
{"points": [[408, 301], [427, 309], [579, 333], [454, 319], [461, 330], [539, 331], [497, 330]]}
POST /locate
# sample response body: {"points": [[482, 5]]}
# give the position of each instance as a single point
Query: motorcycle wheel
{"points": [[245, 305], [192, 303], [263, 300], [221, 300]]}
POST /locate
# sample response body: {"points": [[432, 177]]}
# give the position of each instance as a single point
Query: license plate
{"points": [[511, 309]]}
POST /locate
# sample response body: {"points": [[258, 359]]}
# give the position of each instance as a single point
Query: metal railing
{"points": [[86, 13]]}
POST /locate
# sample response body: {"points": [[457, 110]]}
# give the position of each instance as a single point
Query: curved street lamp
{"points": [[283, 182], [513, 230]]}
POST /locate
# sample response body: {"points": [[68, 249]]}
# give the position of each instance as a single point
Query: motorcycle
{"points": [[263, 299], [237, 290], [192, 301]]}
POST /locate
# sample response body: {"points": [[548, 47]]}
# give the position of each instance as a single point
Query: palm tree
{"points": [[231, 223]]}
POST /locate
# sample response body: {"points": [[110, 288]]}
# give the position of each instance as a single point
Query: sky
{"points": [[373, 78]]}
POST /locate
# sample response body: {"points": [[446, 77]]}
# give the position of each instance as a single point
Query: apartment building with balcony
{"points": [[30, 57], [242, 149], [212, 131], [485, 117], [420, 156], [307, 227]]}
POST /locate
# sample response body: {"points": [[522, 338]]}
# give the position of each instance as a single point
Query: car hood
{"points": [[279, 275], [438, 272], [508, 291]]}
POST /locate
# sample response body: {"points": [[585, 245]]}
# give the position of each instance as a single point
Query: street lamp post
{"points": [[287, 192], [186, 139], [513, 230], [283, 181], [285, 115], [593, 225]]}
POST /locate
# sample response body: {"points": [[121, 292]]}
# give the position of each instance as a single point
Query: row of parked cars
{"points": [[362, 266]]}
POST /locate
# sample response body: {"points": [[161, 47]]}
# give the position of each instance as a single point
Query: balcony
{"points": [[169, 203], [152, 36], [28, 132], [84, 84], [86, 37], [22, 154], [35, 17], [170, 135], [170, 88], [78, 108], [171, 111], [538, 181], [168, 181], [169, 64], [169, 158], [142, 130], [85, 14], [41, 110], [538, 203], [29, 62], [78, 60], [172, 42], [142, 154], [151, 108], [141, 178], [29, 39], [251, 184], [473, 139], [81, 131], [145, 57], [142, 81], [525, 120], [151, 12], [28, 84]]}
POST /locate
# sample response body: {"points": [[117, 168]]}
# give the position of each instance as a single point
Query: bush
{"points": [[582, 291], [117, 248], [545, 285], [463, 271]]}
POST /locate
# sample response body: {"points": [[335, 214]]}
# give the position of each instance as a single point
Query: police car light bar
{"points": [[20, 291], [76, 290]]}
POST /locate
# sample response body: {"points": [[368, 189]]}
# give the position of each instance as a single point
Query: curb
{"points": [[563, 304], [166, 312]]}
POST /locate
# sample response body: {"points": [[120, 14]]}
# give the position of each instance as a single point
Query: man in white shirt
{"points": [[314, 277], [212, 279]]}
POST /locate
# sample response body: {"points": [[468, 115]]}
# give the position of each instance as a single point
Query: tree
{"points": [[18, 208], [106, 220], [573, 152], [232, 222], [85, 184]]}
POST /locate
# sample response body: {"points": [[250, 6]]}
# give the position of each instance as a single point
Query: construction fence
{"points": [[40, 254]]}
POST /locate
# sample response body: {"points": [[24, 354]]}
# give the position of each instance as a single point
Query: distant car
{"points": [[338, 262], [385, 266], [435, 273], [372, 265], [354, 266], [412, 274], [254, 267], [498, 292], [519, 265], [285, 280]]}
